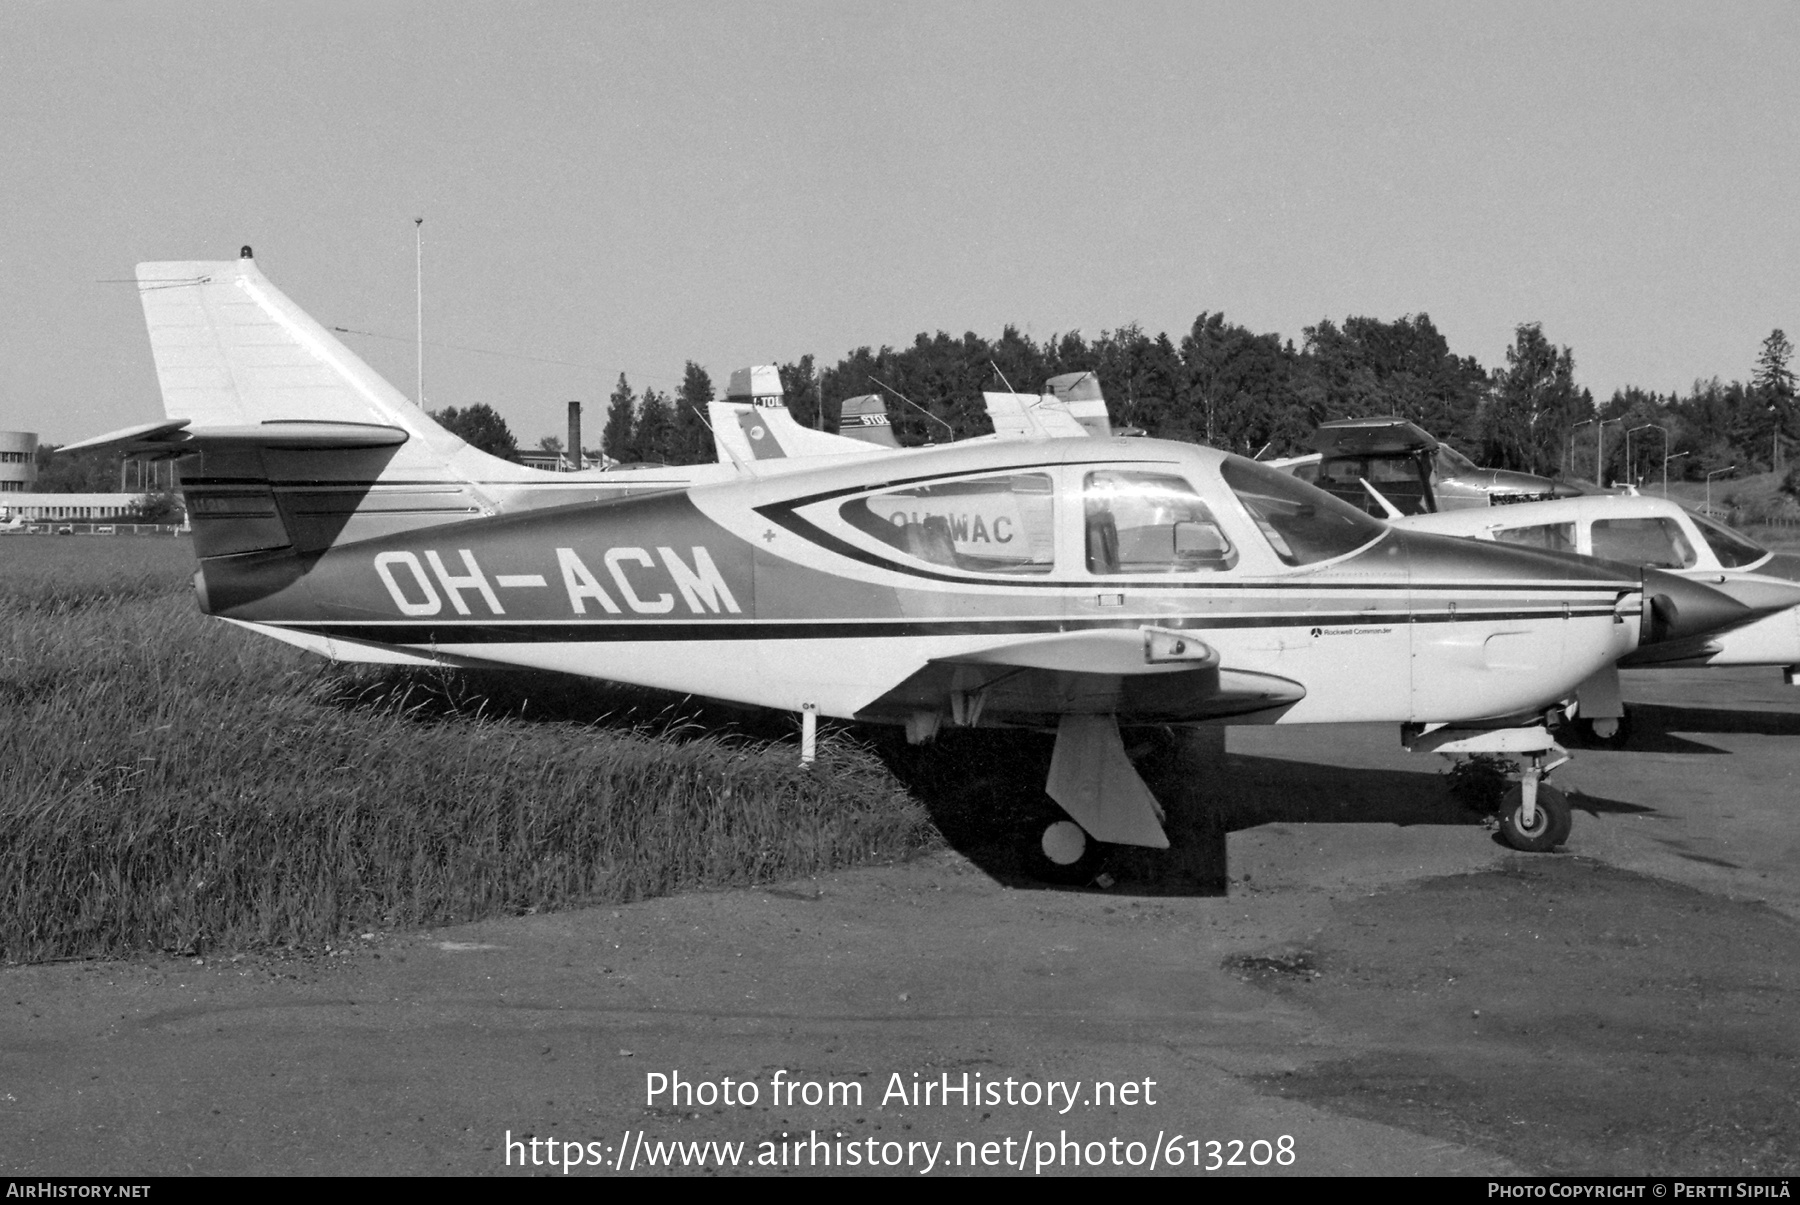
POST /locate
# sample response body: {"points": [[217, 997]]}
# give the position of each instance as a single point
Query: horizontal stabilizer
{"points": [[175, 437], [1032, 416]]}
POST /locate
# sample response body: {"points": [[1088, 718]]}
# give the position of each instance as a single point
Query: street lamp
{"points": [[1709, 478], [1599, 430], [1642, 427], [1666, 461]]}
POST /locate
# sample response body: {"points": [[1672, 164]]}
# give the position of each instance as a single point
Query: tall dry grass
{"points": [[168, 781]]}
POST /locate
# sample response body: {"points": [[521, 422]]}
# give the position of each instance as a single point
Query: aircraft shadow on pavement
{"points": [[1655, 726], [985, 794]]}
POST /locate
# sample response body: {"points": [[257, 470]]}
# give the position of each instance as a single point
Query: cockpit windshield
{"points": [[1733, 550], [1302, 524], [1451, 463]]}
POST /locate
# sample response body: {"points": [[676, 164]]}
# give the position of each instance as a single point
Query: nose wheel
{"points": [[1546, 827]]}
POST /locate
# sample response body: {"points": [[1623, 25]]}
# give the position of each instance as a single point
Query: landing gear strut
{"points": [[1534, 816]]}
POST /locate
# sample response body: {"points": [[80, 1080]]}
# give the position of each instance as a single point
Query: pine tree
{"points": [[693, 442], [1773, 376], [655, 428], [619, 438]]}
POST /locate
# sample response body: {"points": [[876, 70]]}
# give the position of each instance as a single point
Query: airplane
{"points": [[1635, 529], [1076, 586], [1392, 467], [1415, 472]]}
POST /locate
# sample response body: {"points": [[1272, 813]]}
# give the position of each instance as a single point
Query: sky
{"points": [[622, 188]]}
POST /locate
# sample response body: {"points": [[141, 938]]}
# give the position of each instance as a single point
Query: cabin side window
{"points": [[1655, 543], [1555, 537], [1151, 523], [999, 524]]}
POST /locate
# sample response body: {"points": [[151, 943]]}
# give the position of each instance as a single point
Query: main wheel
{"points": [[1604, 733], [1062, 852], [1549, 827]]}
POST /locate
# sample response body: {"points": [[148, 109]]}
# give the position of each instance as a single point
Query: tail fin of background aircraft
{"points": [[753, 423], [1081, 391], [865, 419]]}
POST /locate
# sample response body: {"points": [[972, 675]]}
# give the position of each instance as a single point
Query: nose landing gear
{"points": [[1534, 816]]}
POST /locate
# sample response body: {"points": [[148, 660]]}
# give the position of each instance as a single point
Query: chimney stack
{"points": [[574, 449]]}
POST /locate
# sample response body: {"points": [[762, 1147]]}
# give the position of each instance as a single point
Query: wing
{"points": [[1144, 675]]}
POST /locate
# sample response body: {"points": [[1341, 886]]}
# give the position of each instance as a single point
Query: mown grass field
{"points": [[170, 782]]}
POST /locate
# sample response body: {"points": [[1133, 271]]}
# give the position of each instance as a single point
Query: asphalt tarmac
{"points": [[1381, 989]]}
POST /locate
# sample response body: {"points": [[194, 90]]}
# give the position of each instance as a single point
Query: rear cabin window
{"points": [[1001, 524], [1556, 537], [1655, 543], [1151, 523], [1302, 524]]}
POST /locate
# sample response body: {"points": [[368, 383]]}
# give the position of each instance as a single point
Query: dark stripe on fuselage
{"points": [[630, 631]]}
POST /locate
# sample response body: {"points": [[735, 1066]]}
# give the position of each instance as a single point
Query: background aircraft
{"points": [[1073, 585], [1392, 467], [1414, 472], [1642, 530]]}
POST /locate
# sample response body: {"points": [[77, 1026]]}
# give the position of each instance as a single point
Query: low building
{"points": [[70, 508]]}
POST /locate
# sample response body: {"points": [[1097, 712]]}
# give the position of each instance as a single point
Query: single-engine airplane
{"points": [[1414, 471], [1391, 466], [1634, 529], [1072, 585]]}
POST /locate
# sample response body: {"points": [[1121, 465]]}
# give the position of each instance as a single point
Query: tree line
{"points": [[1224, 385], [1227, 386]]}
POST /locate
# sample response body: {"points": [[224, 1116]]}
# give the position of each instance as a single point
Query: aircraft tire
{"points": [[1619, 739], [1060, 851], [1551, 826]]}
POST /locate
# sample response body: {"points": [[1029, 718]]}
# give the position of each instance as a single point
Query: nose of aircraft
{"points": [[1676, 608]]}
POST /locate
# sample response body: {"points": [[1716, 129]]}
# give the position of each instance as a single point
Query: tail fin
{"points": [[753, 423], [1081, 391], [865, 419], [233, 352]]}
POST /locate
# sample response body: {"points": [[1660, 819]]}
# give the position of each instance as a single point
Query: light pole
{"points": [[1599, 431], [1642, 427], [1666, 460], [1709, 478], [1599, 440], [419, 294]]}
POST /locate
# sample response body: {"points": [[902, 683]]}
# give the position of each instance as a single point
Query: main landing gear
{"points": [[1534, 816], [1064, 853]]}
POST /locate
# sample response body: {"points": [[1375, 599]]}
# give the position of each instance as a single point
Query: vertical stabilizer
{"points": [[1081, 391], [865, 419], [232, 351], [753, 423]]}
